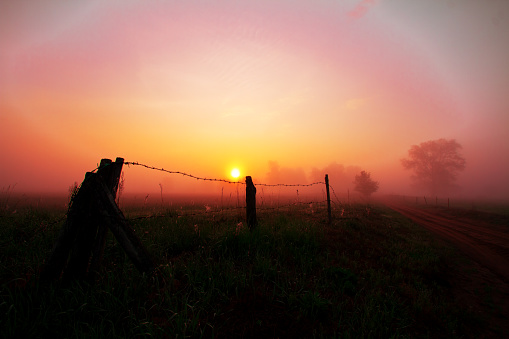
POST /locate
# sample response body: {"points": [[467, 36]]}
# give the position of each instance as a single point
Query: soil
{"points": [[482, 283]]}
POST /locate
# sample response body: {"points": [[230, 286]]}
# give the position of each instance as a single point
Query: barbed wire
{"points": [[134, 163], [208, 210], [128, 163], [291, 185], [334, 192], [260, 208]]}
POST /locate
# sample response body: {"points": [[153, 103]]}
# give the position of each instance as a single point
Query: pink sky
{"points": [[204, 86]]}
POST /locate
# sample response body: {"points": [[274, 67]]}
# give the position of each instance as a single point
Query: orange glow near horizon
{"points": [[281, 91]]}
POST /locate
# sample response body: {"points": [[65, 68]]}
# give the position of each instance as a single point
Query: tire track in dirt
{"points": [[482, 287], [486, 244]]}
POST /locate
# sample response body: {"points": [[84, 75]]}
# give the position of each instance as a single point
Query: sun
{"points": [[235, 173]]}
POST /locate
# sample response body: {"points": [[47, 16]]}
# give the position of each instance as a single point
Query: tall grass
{"points": [[370, 274]]}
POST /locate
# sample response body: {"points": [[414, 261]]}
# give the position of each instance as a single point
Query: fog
{"points": [[474, 183], [284, 91]]}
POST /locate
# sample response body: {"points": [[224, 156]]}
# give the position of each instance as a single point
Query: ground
{"points": [[482, 284]]}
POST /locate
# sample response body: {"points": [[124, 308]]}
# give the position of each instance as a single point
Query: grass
{"points": [[372, 273]]}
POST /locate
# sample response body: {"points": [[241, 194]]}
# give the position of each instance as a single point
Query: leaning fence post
{"points": [[92, 210], [123, 232], [329, 215], [76, 218], [250, 203], [91, 237], [110, 173]]}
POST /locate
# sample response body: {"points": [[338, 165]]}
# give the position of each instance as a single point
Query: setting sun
{"points": [[235, 173], [221, 89]]}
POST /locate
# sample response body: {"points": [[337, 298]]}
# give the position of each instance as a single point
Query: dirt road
{"points": [[483, 284], [484, 242]]}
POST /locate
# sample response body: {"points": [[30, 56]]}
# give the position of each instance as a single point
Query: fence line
{"points": [[259, 207], [134, 163], [92, 211], [291, 185], [250, 192], [253, 208], [182, 173]]}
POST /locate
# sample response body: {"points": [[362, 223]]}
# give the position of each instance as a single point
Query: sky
{"points": [[282, 90]]}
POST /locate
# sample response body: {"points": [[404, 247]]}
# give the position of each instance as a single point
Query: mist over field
{"points": [[284, 91], [254, 168]]}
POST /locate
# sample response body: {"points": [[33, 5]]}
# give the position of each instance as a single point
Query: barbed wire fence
{"points": [[129, 163], [259, 207], [93, 211], [208, 210]]}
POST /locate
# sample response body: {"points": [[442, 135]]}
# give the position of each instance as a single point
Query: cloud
{"points": [[361, 9]]}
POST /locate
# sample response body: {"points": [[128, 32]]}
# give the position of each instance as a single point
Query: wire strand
{"points": [[134, 163], [182, 173]]}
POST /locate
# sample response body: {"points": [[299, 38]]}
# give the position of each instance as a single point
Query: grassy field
{"points": [[372, 273]]}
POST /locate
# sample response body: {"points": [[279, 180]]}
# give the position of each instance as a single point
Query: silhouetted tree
{"points": [[365, 185], [436, 164]]}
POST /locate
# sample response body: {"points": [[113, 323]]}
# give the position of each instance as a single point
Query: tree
{"points": [[436, 164], [365, 185]]}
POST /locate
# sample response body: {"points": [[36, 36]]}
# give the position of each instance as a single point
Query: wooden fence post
{"points": [[329, 214], [76, 218], [110, 173], [123, 232], [87, 223], [93, 209], [91, 237], [250, 203]]}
